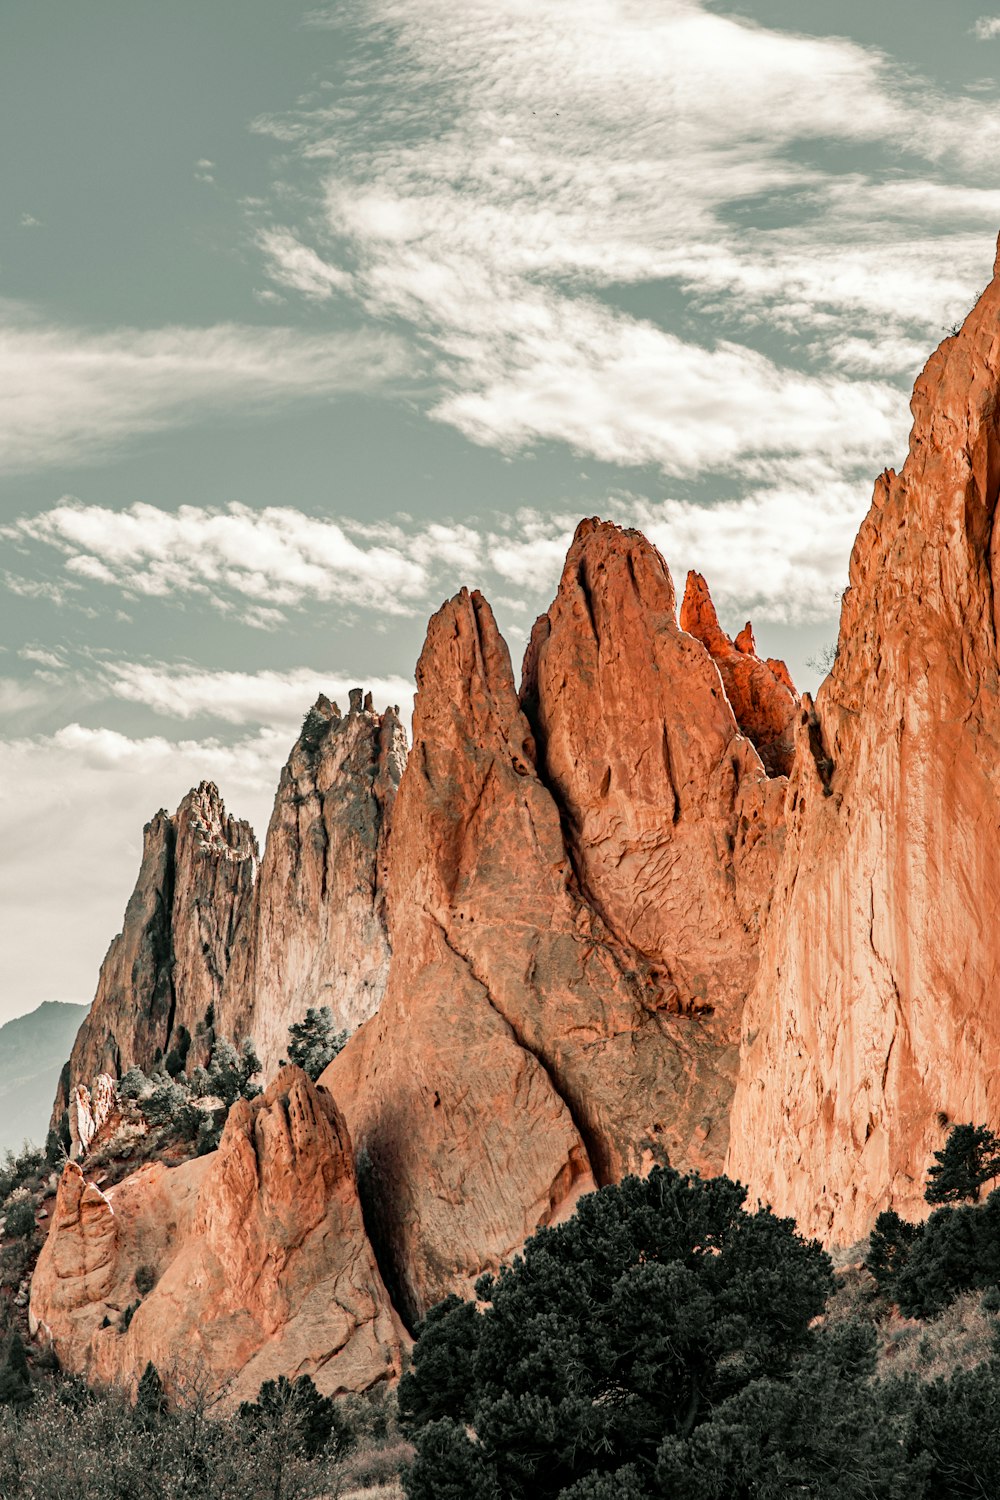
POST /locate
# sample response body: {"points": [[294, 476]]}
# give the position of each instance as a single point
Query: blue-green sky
{"points": [[308, 318]]}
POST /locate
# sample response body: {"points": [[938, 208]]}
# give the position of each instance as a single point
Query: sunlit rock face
{"points": [[257, 1253], [316, 933], [874, 1021], [577, 877]]}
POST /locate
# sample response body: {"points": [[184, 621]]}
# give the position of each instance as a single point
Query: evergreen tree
{"points": [[230, 1073], [622, 1328], [889, 1248], [150, 1398], [313, 1043], [15, 1377], [971, 1157]]}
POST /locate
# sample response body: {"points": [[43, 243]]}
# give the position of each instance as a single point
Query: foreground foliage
{"points": [[292, 1444], [665, 1344]]}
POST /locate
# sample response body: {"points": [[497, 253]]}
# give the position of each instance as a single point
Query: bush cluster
{"points": [[666, 1343], [291, 1444]]}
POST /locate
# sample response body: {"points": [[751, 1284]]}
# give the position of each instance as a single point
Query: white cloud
{"points": [[271, 698], [566, 159], [296, 266], [28, 221], [69, 395], [272, 557], [987, 27], [72, 809], [779, 550], [41, 657]]}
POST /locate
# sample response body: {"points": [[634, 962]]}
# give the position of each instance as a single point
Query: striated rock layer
{"points": [[547, 1022], [874, 1021], [316, 934], [165, 969], [258, 1254]]}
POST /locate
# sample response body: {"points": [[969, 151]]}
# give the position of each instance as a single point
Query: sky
{"points": [[309, 317]]}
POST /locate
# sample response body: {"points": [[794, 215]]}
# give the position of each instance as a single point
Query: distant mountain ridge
{"points": [[33, 1049]]}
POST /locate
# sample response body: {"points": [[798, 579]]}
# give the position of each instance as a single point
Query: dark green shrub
{"points": [[19, 1220], [889, 1247], [623, 1327], [145, 1280], [15, 1378], [970, 1159]]}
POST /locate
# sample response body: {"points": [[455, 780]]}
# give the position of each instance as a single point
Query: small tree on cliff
{"points": [[313, 1043], [971, 1158]]}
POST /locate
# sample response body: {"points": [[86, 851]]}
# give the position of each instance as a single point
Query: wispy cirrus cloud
{"points": [[546, 164], [779, 551], [73, 395]]}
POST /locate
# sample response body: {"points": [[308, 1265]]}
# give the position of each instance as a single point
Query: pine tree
{"points": [[313, 1043], [150, 1399], [971, 1157], [15, 1377]]}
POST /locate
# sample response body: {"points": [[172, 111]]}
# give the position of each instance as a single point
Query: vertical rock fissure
{"points": [[597, 1156]]}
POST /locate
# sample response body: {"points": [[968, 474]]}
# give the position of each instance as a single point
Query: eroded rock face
{"points": [[259, 1255], [165, 969], [316, 934], [538, 1033], [672, 829], [761, 693], [874, 1017]]}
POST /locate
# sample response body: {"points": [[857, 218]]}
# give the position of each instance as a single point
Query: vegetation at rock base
{"points": [[314, 1042], [292, 1444], [665, 1344]]}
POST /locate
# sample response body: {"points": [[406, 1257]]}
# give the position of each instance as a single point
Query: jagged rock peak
{"points": [[164, 972], [259, 1256], [577, 878], [216, 832], [316, 934], [661, 795], [761, 693]]}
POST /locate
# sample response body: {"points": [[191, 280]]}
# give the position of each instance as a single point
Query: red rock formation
{"points": [[316, 934], [761, 693], [258, 1252], [874, 1018], [531, 1039], [672, 829], [166, 967]]}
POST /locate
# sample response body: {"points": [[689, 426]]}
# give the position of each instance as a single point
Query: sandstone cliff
{"points": [[874, 1022], [165, 969], [316, 932], [258, 1255], [559, 1011]]}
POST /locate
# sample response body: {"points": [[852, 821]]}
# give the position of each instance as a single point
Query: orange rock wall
{"points": [[874, 1016]]}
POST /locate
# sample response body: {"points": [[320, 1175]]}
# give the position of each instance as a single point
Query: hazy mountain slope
{"points": [[33, 1049]]}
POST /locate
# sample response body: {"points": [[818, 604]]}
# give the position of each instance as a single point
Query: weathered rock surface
{"points": [[259, 1255], [166, 968], [316, 932], [760, 692], [543, 1028], [874, 1019]]}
